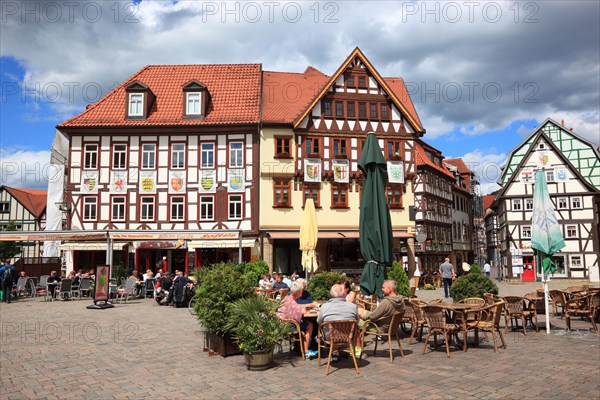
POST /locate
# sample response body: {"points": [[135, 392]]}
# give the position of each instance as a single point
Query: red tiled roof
{"points": [[487, 201], [463, 170], [422, 160], [399, 88], [234, 91], [287, 94], [32, 200]]}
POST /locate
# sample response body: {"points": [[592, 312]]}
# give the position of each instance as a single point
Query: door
{"points": [[528, 269]]}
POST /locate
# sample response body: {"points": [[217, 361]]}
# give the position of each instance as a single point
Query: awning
{"points": [[331, 235], [229, 244], [90, 246]]}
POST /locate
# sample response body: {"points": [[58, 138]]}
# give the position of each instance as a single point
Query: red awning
{"points": [[331, 235]]}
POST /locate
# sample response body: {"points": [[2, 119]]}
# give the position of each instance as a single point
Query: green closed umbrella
{"points": [[375, 227]]}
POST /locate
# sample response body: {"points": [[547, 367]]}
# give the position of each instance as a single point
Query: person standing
{"points": [[487, 268], [8, 275], [448, 275]]}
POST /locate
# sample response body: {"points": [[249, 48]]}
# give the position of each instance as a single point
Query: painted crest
{"points": [[208, 181], [312, 170], [148, 184], [341, 170], [526, 176], [395, 171], [542, 159], [89, 184], [177, 184], [560, 174], [235, 181]]}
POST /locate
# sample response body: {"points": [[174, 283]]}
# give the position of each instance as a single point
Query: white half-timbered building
{"points": [[173, 147], [572, 166]]}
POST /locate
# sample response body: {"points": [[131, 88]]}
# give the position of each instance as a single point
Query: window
{"points": [[119, 156], [177, 155], [311, 191], [313, 146], [549, 176], [193, 104], [576, 262], [90, 208], [516, 205], [281, 192], [327, 107], [236, 154], [4, 207], [361, 81], [528, 204], [362, 110], [373, 110], [384, 111], [350, 81], [340, 147], [147, 208], [207, 155], [562, 203], [136, 101], [90, 160], [526, 232], [571, 231], [339, 109], [339, 195], [361, 146], [394, 196], [393, 148], [576, 202], [177, 208], [148, 156], [350, 109], [118, 209], [207, 208], [235, 206], [282, 147]]}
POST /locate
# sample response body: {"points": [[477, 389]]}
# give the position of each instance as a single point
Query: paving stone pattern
{"points": [[59, 350]]}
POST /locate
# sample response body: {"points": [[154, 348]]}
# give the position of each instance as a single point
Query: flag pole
{"points": [[545, 279]]}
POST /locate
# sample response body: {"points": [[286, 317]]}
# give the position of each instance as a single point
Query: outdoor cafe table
{"points": [[458, 313]]}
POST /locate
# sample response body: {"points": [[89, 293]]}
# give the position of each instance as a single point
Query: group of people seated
{"points": [[341, 306], [277, 281], [173, 289], [53, 282]]}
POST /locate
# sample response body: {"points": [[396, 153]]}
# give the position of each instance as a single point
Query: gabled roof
{"points": [[463, 170], [395, 88], [234, 91], [423, 160], [33, 200], [487, 201]]}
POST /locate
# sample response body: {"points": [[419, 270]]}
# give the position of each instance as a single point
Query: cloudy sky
{"points": [[482, 75]]}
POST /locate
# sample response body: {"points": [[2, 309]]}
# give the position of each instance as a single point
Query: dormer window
{"points": [[136, 102], [195, 100], [139, 100]]}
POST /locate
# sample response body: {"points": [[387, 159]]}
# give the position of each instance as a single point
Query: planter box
{"points": [[222, 345]]}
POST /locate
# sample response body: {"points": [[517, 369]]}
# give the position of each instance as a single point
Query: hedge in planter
{"points": [[472, 284], [397, 273], [320, 284]]}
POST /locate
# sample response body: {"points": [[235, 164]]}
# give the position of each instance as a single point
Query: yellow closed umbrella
{"points": [[308, 236]]}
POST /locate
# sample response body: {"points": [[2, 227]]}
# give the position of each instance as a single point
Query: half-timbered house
{"points": [[313, 131], [174, 147], [492, 244], [26, 209], [572, 167]]}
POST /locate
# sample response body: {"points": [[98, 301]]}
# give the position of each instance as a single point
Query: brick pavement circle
{"points": [[59, 350]]}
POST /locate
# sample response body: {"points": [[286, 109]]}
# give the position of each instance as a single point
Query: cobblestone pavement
{"points": [[141, 350]]}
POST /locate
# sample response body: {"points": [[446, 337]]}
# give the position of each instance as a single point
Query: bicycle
{"points": [[191, 305]]}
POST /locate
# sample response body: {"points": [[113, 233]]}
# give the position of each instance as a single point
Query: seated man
{"points": [[279, 283], [290, 309], [391, 304], [338, 309]]}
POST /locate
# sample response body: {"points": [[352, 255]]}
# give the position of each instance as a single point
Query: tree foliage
{"points": [[9, 249], [472, 284], [255, 269], [396, 272], [320, 284]]}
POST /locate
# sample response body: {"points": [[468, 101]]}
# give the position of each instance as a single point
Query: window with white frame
{"points": [[136, 102], [526, 232], [549, 176], [147, 208], [119, 156], [528, 204], [562, 203], [576, 202], [207, 155], [118, 209], [207, 208], [576, 261], [516, 205], [90, 208], [193, 104], [4, 207], [177, 155], [571, 232], [235, 206], [177, 208], [236, 154], [148, 156], [90, 158]]}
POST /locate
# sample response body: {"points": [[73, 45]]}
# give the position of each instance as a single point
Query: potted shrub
{"points": [[254, 323], [320, 284], [219, 287], [472, 284], [396, 272]]}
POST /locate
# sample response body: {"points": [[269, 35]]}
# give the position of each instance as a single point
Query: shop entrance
{"points": [[148, 259], [528, 269]]}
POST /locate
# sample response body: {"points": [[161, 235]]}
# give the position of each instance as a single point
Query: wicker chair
{"points": [[436, 322], [489, 321], [337, 335], [586, 307], [418, 318], [370, 328], [515, 308], [295, 335], [473, 300], [489, 298], [558, 299], [437, 300]]}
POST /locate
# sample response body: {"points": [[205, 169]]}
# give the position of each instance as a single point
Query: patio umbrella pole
{"points": [[545, 279]]}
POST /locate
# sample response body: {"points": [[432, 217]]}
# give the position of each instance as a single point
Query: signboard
{"points": [[341, 171], [89, 182], [172, 236], [118, 182], [526, 176], [161, 244], [235, 181], [561, 174], [395, 171], [208, 181], [147, 182], [542, 159], [176, 182], [312, 170], [102, 281]]}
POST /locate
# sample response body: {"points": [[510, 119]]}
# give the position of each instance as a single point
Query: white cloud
{"points": [[24, 168], [486, 163]]}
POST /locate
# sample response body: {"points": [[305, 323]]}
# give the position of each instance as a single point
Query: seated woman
{"points": [[305, 298], [349, 294], [290, 309]]}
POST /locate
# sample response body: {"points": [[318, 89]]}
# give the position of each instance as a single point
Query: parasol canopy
{"points": [[308, 236]]}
